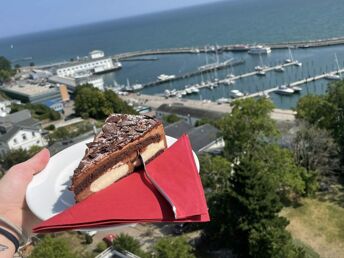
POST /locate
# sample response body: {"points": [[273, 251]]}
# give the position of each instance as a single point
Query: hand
{"points": [[13, 189]]}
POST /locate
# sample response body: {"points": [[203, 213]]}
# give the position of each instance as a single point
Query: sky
{"points": [[25, 16]]}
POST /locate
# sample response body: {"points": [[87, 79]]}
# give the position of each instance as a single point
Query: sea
{"points": [[224, 22]]}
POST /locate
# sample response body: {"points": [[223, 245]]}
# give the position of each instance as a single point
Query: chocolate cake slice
{"points": [[114, 152]]}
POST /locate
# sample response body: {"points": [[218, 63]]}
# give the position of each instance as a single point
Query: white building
{"points": [[19, 130], [97, 63], [5, 108], [72, 83], [96, 54]]}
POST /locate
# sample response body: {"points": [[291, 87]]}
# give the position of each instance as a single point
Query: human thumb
{"points": [[32, 166]]}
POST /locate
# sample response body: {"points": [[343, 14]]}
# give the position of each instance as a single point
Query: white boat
{"points": [[229, 81], [297, 63], [236, 94], [164, 77], [188, 91], [167, 93], [230, 75], [183, 92], [295, 88], [259, 49], [279, 69], [333, 77], [134, 87], [222, 101], [194, 89], [288, 61], [261, 73], [173, 92], [284, 90]]}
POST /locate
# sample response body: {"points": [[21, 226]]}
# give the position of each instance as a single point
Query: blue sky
{"points": [[25, 16]]}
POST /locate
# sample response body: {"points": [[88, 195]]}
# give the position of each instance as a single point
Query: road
{"points": [[154, 102]]}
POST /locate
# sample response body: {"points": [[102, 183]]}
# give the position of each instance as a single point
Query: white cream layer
{"points": [[152, 149], [120, 170], [116, 172]]}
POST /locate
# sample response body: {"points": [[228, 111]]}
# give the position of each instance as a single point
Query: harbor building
{"points": [[46, 94], [95, 64], [19, 130], [72, 83]]}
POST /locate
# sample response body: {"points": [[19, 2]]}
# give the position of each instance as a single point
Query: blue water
{"points": [[237, 21]]}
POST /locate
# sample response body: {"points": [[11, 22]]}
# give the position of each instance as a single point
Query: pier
{"points": [[194, 73], [232, 47], [293, 84], [254, 73]]}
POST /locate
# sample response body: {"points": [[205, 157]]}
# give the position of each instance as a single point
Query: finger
{"points": [[33, 165]]}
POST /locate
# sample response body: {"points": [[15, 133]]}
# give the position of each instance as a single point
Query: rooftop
{"points": [[28, 89], [177, 129], [193, 112], [202, 136]]}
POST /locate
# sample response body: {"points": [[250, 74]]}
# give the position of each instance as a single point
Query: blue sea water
{"points": [[235, 21]]}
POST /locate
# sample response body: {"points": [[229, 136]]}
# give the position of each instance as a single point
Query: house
{"points": [[19, 130], [188, 114], [204, 138]]}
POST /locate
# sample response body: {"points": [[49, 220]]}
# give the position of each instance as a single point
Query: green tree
{"points": [[254, 179], [215, 173], [5, 69], [170, 119], [50, 247], [173, 247], [91, 102], [128, 243], [316, 110], [326, 112], [247, 126], [315, 150]]}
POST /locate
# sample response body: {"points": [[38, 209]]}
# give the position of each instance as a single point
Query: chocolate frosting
{"points": [[117, 132]]}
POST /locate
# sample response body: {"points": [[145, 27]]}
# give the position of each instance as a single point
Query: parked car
{"points": [[109, 239]]}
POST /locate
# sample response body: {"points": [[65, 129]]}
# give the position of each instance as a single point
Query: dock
{"points": [[293, 84], [254, 73], [194, 73]]}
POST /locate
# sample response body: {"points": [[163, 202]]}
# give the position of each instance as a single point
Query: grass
{"points": [[318, 224]]}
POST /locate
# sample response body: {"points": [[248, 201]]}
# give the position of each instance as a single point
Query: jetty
{"points": [[293, 84], [195, 73], [232, 47], [234, 78]]}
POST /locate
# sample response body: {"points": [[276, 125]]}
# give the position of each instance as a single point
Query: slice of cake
{"points": [[114, 152]]}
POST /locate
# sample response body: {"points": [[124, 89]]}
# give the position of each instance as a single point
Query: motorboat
{"points": [[222, 101], [333, 77], [260, 73], [259, 49], [165, 77], [279, 69], [236, 94], [194, 89], [297, 63], [284, 90], [295, 88]]}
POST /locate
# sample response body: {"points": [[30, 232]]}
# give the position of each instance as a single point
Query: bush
{"points": [[50, 127], [101, 246]]}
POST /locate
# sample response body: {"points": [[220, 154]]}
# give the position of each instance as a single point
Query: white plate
{"points": [[48, 194]]}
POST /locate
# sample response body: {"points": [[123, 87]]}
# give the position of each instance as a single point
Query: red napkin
{"points": [[136, 198]]}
